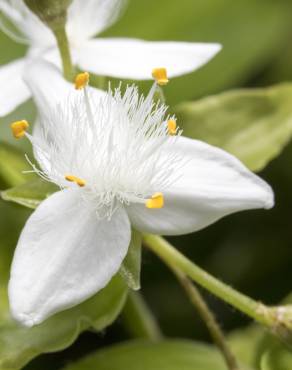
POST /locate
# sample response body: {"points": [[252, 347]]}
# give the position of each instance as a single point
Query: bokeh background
{"points": [[252, 250]]}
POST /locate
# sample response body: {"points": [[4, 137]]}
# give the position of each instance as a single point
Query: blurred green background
{"points": [[252, 250]]}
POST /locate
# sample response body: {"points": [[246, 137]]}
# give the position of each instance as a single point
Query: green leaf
{"points": [[131, 267], [253, 124], [277, 358], [18, 345], [143, 355], [30, 194], [12, 165]]}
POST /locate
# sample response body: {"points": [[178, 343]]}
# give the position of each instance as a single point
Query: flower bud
{"points": [[52, 12]]}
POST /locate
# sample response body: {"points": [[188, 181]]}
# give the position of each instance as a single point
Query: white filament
{"points": [[115, 144]]}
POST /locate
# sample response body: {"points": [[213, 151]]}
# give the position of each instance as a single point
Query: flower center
{"points": [[115, 147]]}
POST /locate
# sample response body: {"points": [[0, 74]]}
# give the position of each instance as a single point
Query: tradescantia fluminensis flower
{"points": [[119, 161], [116, 57]]}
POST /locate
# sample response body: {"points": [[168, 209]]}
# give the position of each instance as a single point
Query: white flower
{"points": [[115, 57], [117, 165]]}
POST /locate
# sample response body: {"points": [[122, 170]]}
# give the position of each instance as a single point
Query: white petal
{"points": [[210, 185], [12, 12], [47, 85], [65, 254], [30, 27], [49, 88], [13, 90], [87, 18], [135, 59]]}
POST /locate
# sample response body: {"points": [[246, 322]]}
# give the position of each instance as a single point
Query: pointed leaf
{"points": [[253, 124]]}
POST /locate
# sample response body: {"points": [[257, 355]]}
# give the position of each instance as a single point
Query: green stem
{"points": [[64, 49], [138, 319], [101, 82], [208, 317], [278, 319]]}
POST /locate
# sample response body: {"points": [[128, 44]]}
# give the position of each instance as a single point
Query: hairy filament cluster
{"points": [[114, 144]]}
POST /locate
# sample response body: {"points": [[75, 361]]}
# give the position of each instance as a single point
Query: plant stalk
{"points": [[64, 49], [208, 317]]}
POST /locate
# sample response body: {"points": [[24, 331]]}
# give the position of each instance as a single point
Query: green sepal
{"points": [[30, 194], [13, 165], [131, 266], [51, 12]]}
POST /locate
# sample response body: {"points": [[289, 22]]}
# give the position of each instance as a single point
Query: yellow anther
{"points": [[18, 128], [171, 125], [81, 80], [156, 201], [160, 75], [75, 179]]}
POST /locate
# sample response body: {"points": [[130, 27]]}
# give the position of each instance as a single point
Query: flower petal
{"points": [[135, 59], [13, 90], [210, 184], [49, 88], [65, 254], [86, 20], [31, 29], [47, 85]]}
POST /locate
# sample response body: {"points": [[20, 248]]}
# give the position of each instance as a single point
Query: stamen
{"points": [[77, 180], [81, 80], [18, 128], [171, 125], [160, 75], [156, 201]]}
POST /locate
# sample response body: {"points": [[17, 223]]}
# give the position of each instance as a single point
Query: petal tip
{"points": [[270, 199], [218, 47], [20, 310], [24, 319], [215, 48]]}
